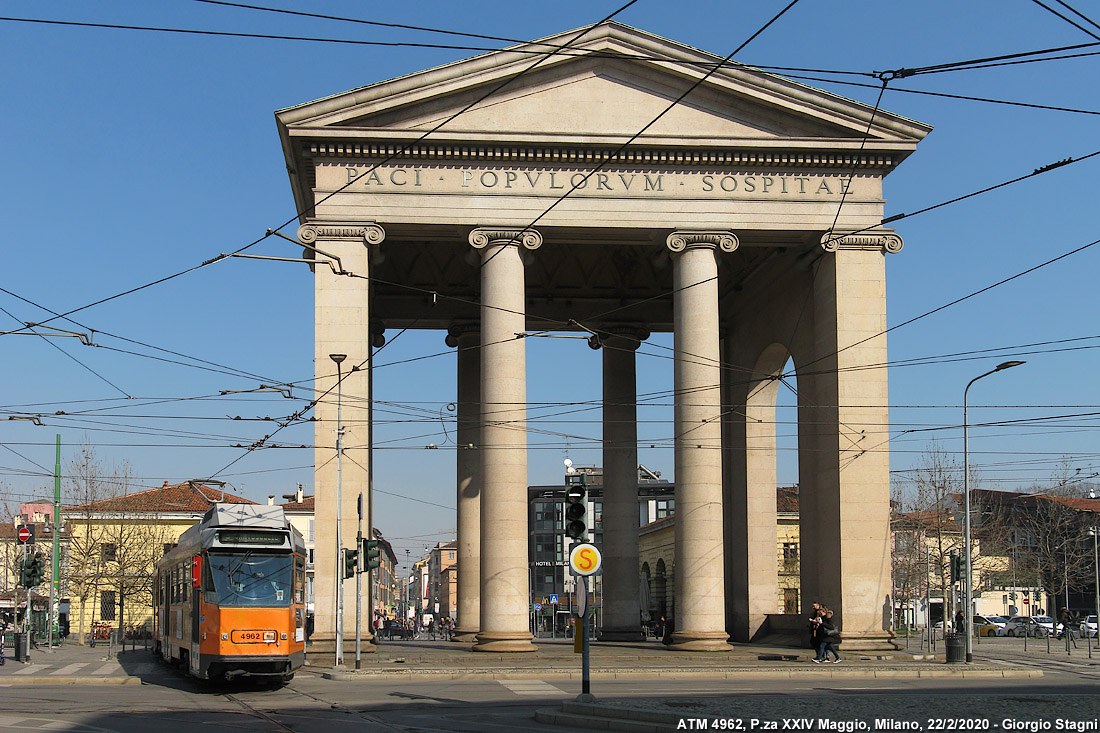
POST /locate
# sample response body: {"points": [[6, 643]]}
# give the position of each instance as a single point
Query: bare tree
{"points": [[114, 545]]}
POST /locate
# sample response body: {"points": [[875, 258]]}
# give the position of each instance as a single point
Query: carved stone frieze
{"points": [[484, 236], [682, 240], [369, 233], [886, 241]]}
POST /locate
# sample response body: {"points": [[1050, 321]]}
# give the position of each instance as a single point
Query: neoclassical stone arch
{"points": [[724, 223]]}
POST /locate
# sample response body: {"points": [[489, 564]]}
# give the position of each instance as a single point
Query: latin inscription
{"points": [[516, 181]]}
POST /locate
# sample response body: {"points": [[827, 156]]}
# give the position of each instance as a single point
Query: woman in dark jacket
{"points": [[830, 634]]}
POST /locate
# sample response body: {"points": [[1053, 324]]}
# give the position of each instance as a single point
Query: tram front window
{"points": [[249, 579]]}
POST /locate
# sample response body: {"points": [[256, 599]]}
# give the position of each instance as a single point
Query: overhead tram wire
{"points": [[45, 338], [963, 97], [1071, 21], [963, 298], [298, 214], [615, 153], [231, 371], [1080, 15], [919, 70]]}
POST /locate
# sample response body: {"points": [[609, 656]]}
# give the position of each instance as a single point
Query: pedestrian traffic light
{"points": [[576, 498], [24, 569], [372, 553], [351, 559]]}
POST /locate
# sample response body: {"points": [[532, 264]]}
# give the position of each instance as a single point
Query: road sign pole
{"points": [[586, 682]]}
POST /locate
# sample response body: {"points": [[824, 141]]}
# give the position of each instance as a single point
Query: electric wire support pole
{"points": [[339, 568], [55, 578], [359, 586]]}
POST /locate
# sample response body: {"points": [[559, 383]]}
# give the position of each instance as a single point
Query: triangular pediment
{"points": [[608, 86]]}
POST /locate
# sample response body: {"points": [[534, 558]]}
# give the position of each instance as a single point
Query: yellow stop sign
{"points": [[585, 559]]}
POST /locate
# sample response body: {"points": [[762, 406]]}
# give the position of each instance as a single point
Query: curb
{"points": [[551, 674], [9, 680]]}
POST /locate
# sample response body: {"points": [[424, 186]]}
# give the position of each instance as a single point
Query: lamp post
{"points": [[1096, 575], [339, 576], [968, 618]]}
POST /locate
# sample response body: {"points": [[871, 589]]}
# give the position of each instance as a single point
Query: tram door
{"points": [[196, 594], [166, 614]]}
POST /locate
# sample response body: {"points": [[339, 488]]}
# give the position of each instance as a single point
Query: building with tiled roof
{"points": [[116, 543]]}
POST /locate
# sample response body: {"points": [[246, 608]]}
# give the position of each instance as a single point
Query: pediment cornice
{"points": [[578, 155]]}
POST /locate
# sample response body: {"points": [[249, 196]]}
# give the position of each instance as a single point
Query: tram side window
{"points": [[210, 593], [299, 578]]}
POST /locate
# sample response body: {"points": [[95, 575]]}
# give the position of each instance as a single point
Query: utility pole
{"points": [[55, 580], [339, 574], [359, 585]]}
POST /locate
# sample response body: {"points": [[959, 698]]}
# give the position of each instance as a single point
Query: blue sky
{"points": [[131, 156]]}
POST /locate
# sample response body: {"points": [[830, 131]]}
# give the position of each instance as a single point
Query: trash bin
{"points": [[956, 648], [19, 649]]}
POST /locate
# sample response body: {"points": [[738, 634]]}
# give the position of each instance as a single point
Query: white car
{"points": [[1045, 625], [1089, 626], [990, 625]]}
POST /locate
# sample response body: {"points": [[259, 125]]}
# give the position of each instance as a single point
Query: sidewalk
{"points": [[556, 660], [71, 664]]}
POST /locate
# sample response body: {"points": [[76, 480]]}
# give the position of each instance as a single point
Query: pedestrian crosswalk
{"points": [[90, 669], [531, 688]]}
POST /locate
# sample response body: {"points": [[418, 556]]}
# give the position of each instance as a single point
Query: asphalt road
{"points": [[168, 702]]}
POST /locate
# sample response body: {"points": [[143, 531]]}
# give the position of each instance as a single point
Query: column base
{"points": [[503, 642], [622, 634], [700, 641], [464, 636], [868, 641]]}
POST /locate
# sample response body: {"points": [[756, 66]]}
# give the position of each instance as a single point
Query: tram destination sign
{"points": [[250, 537]]}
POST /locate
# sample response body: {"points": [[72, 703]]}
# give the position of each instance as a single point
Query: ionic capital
{"points": [[684, 240], [884, 240], [367, 233], [622, 338], [484, 236], [458, 330]]}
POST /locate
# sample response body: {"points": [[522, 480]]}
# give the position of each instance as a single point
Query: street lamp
{"points": [[968, 619], [1096, 573], [339, 567]]}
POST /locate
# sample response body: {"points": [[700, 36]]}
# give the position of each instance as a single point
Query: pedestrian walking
{"points": [[830, 633], [817, 635]]}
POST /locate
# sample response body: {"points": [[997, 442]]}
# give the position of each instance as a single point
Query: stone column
{"points": [[700, 597], [849, 553], [505, 582], [468, 468], [621, 619], [341, 327]]}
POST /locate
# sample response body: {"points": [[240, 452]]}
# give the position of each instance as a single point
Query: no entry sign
{"points": [[25, 535]]}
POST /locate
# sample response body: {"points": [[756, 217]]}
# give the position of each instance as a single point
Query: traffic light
{"points": [[958, 568], [576, 496], [351, 559], [32, 570], [372, 554]]}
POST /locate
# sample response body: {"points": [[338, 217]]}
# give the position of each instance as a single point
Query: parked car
{"points": [[990, 625], [1089, 626], [1029, 626], [1046, 625]]}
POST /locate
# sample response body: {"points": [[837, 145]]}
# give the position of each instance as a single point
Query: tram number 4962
{"points": [[252, 637]]}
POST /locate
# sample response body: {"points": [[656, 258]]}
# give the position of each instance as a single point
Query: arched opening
{"points": [[788, 528]]}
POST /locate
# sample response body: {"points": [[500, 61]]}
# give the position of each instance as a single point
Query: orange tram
{"points": [[231, 596]]}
